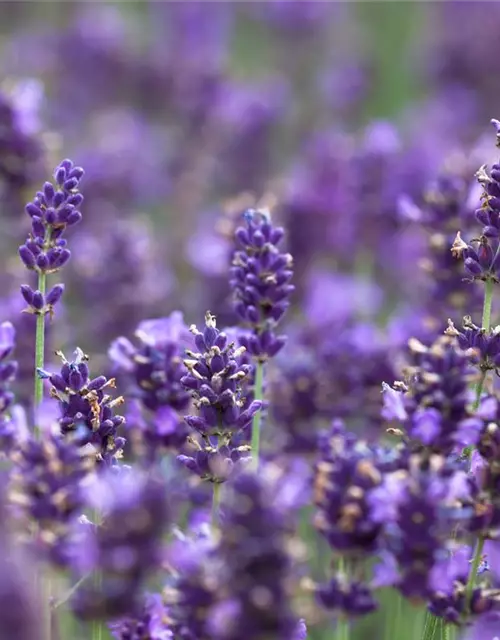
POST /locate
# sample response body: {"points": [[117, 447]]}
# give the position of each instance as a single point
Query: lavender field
{"points": [[249, 287]]}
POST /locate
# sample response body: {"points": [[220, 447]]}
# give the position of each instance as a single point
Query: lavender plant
{"points": [[260, 277]]}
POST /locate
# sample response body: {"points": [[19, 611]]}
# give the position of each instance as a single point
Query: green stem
{"points": [[97, 626], [97, 630], [39, 349], [486, 321], [476, 561], [258, 393], [44, 579], [342, 629], [430, 627], [488, 298], [215, 505], [395, 616]]}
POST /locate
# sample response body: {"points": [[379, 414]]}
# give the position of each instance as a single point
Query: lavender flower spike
{"points": [[215, 377], [8, 370], [260, 277], [52, 210]]}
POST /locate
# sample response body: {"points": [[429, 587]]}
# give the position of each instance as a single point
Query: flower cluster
{"points": [[124, 547], [435, 405], [87, 411], [216, 380], [260, 277], [481, 256], [51, 211], [238, 585], [152, 371], [46, 485], [151, 623], [8, 369]]}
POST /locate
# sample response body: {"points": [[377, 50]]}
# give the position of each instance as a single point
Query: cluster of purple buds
{"points": [[87, 411], [39, 303], [434, 404], [348, 597], [449, 601], [485, 502], [256, 564], [20, 615], [53, 210], [345, 474], [238, 585], [260, 278], [153, 370], [445, 210], [483, 346], [193, 588], [46, 486], [420, 509], [482, 261], [216, 379], [8, 369], [151, 623], [125, 547]]}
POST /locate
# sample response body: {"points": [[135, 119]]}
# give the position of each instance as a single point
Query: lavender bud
{"points": [[55, 294]]}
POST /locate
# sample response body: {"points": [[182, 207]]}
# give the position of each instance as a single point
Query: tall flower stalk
{"points": [[52, 210], [260, 278]]}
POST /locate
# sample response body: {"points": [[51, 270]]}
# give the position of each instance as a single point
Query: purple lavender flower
{"points": [[125, 548], [419, 509], [437, 402], [194, 587], [260, 277], [352, 598], [151, 623], [345, 475], [216, 377], [135, 287], [20, 615], [153, 371], [155, 365], [51, 211], [45, 483], [256, 569], [481, 345], [87, 411], [8, 370], [481, 256], [446, 208]]}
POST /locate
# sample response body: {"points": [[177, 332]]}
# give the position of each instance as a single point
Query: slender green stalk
{"points": [[215, 505], [394, 616], [97, 630], [430, 626], [342, 628], [258, 393], [476, 561], [97, 626], [43, 580], [39, 350], [486, 321]]}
